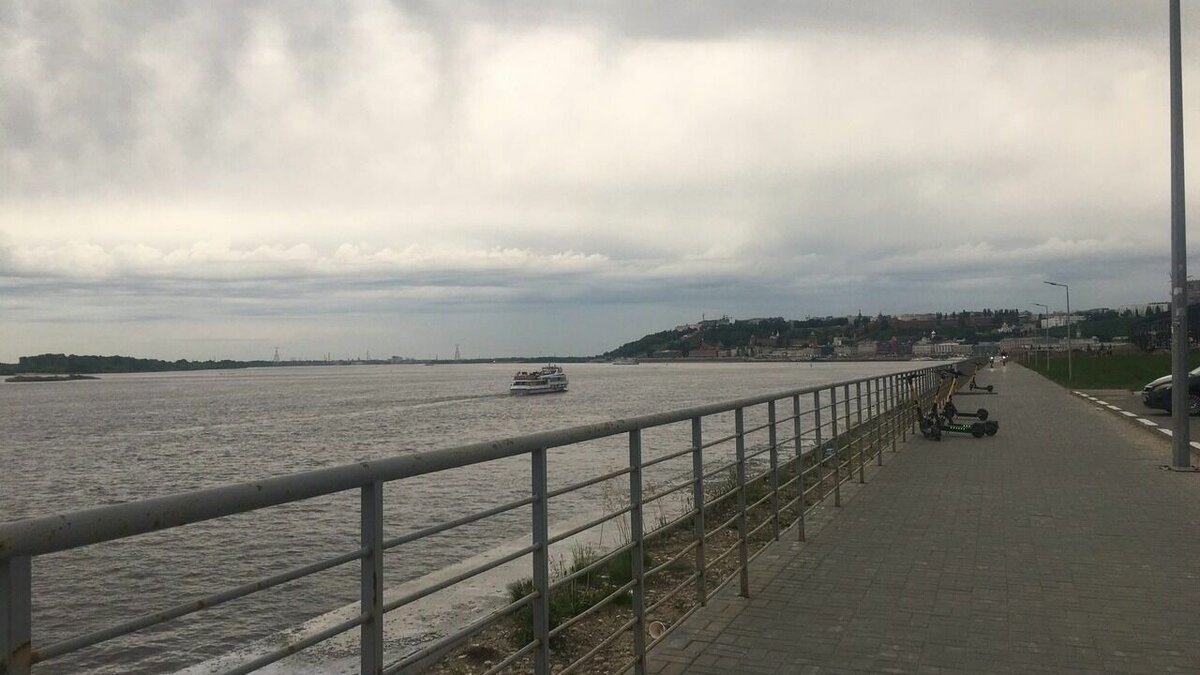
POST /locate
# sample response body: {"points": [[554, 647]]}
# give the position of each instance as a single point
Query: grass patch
{"points": [[575, 596], [1117, 371]]}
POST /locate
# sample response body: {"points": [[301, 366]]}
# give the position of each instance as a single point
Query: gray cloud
{"points": [[1015, 19], [263, 163]]}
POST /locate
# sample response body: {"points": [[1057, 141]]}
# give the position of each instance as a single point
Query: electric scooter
{"points": [[941, 413]]}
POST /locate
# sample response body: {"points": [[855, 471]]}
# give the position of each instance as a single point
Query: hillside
{"points": [[743, 336]]}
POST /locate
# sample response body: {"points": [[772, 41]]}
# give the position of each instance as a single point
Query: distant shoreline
{"points": [[31, 370], [49, 378]]}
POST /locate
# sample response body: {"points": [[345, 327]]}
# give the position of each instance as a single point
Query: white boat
{"points": [[545, 381], [624, 361]]}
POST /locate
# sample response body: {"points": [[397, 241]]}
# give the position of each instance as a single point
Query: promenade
{"points": [[1058, 546]]}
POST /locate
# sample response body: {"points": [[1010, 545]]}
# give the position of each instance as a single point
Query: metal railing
{"points": [[829, 433]]}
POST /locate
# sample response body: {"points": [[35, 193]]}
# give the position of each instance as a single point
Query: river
{"points": [[74, 445]]}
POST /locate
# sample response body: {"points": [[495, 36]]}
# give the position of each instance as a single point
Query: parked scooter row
{"points": [[938, 414]]}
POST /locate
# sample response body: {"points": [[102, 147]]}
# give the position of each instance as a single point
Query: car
{"points": [[1157, 393]]}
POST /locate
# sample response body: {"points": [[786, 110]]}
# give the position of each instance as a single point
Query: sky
{"points": [[218, 180]]}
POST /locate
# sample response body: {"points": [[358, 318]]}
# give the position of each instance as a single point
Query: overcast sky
{"points": [[215, 179]]}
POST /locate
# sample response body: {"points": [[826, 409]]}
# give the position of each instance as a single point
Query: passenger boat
{"points": [[548, 380], [624, 361]]}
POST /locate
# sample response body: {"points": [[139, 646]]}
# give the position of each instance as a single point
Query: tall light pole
{"points": [[1181, 455], [1070, 373], [1046, 344]]}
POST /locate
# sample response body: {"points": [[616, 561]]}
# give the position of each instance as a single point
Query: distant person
{"points": [[992, 362]]}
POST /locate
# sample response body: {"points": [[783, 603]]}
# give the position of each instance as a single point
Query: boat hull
{"points": [[545, 389]]}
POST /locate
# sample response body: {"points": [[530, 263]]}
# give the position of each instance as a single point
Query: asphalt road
{"points": [[1132, 402]]}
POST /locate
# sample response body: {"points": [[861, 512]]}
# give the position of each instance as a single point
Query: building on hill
{"points": [[894, 347], [764, 340], [1059, 320]]}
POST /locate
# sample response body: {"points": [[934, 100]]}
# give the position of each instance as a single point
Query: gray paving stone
{"points": [[1056, 546]]}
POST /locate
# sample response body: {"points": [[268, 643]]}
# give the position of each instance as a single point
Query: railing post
{"points": [[796, 426], [371, 579], [743, 544], [894, 406], [818, 449], [909, 405], [541, 563], [837, 450], [638, 552], [858, 403], [875, 413], [772, 437], [16, 608], [698, 500], [930, 387], [850, 439], [916, 393]]}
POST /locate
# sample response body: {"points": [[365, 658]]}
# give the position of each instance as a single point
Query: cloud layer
{"points": [[258, 163]]}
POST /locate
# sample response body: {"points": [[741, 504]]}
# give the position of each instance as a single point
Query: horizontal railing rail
{"points": [[747, 493]]}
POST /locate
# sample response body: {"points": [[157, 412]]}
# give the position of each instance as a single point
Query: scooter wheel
{"points": [[990, 428], [982, 414], [989, 388], [978, 429]]}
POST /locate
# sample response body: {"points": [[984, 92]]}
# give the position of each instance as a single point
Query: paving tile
{"points": [[1055, 546]]}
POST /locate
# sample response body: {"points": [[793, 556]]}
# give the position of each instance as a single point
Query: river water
{"points": [[81, 444]]}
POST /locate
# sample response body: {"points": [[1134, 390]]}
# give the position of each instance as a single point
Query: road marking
{"points": [[1143, 420]]}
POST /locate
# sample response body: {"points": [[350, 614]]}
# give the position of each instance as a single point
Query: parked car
{"points": [[1157, 393]]}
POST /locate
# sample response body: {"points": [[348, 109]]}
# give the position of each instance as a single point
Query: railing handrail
{"points": [[64, 531]]}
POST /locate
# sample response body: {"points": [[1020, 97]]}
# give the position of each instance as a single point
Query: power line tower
{"points": [[276, 359], [457, 355]]}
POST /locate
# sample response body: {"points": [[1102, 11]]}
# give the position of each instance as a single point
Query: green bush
{"points": [[620, 568]]}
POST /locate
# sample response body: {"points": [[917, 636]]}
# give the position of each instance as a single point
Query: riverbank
{"points": [[49, 378]]}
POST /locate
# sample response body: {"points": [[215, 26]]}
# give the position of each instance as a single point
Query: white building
{"points": [[1059, 320]]}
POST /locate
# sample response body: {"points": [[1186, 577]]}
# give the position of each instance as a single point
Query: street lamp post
{"points": [[1181, 453], [1070, 372], [1046, 344]]}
